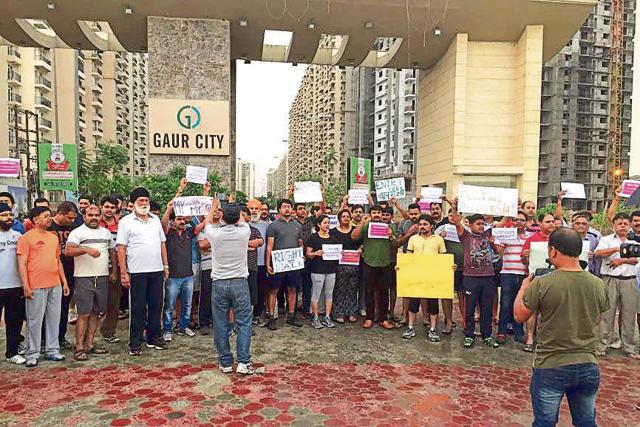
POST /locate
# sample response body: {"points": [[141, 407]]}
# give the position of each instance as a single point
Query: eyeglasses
{"points": [[521, 220]]}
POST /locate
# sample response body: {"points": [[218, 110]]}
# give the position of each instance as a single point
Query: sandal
{"points": [[353, 319], [528, 348], [80, 356], [98, 350], [447, 331], [339, 319]]}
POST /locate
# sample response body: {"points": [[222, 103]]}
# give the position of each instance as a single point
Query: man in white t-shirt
{"points": [[91, 247]]}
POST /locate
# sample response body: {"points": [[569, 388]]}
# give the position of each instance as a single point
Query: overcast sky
{"points": [[264, 93]]}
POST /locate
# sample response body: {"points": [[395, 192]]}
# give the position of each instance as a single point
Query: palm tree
{"points": [[330, 157]]}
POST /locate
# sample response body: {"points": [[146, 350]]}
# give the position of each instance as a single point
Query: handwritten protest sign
{"points": [[348, 257], [452, 233], [425, 276], [388, 188], [378, 230], [331, 252], [431, 194], [488, 200], [573, 190], [287, 260], [629, 186], [505, 234], [358, 197], [192, 205], [196, 174], [333, 221], [307, 192]]}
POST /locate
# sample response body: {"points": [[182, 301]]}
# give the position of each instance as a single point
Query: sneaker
{"points": [[293, 320], [501, 339], [261, 322], [157, 345], [135, 351], [123, 314], [22, 349], [31, 363], [112, 339], [490, 342], [167, 337], [187, 332], [468, 342], [328, 322], [65, 344], [245, 369], [433, 336], [362, 312], [55, 357], [255, 321], [17, 359], [226, 369], [316, 323], [409, 333], [272, 325], [232, 332]]}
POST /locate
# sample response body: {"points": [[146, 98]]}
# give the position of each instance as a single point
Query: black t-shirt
{"points": [[442, 222], [63, 234], [344, 239], [317, 264], [179, 253]]}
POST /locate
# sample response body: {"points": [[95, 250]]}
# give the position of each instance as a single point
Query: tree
{"points": [[102, 175], [330, 157], [241, 197]]}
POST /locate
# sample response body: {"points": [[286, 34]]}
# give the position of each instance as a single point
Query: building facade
{"points": [[246, 178], [574, 121], [278, 179]]}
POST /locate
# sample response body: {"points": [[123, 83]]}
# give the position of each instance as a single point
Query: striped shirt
{"points": [[511, 261]]}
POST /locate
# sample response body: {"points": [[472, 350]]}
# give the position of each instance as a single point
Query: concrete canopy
{"points": [[426, 27]]}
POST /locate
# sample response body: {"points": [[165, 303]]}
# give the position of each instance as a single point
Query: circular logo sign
{"points": [[189, 117]]}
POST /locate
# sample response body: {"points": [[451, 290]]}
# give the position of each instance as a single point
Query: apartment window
{"points": [[604, 78], [379, 116], [380, 73], [563, 157], [379, 131], [563, 173], [379, 160], [566, 72], [567, 57], [603, 120], [565, 143], [380, 102], [379, 144], [603, 106], [380, 88]]}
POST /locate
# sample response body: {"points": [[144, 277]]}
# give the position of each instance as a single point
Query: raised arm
{"points": [[165, 218], [394, 202], [613, 209], [558, 213], [456, 219], [356, 234]]}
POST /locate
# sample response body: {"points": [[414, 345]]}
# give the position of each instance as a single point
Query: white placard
{"points": [[287, 260], [333, 221], [197, 174], [307, 192], [540, 252], [474, 199], [452, 233], [505, 234], [192, 205], [431, 194], [389, 188], [358, 197], [573, 190], [331, 252]]}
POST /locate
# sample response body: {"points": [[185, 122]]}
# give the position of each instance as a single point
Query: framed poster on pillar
{"points": [[189, 127], [360, 177]]}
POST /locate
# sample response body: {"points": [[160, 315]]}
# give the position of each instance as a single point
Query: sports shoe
{"points": [[328, 322], [31, 363], [316, 323], [501, 339], [135, 351], [157, 345], [55, 357], [22, 349], [293, 320], [112, 339], [409, 333], [261, 323], [272, 325], [226, 369], [362, 312], [123, 314], [245, 369], [468, 342], [187, 332], [490, 342], [17, 359], [167, 337], [65, 344], [232, 332], [432, 335]]}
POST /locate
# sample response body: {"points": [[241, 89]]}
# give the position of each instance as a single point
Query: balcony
{"points": [[83, 139], [409, 109], [42, 83], [13, 55], [42, 102], [97, 132], [45, 123], [407, 158], [96, 101], [13, 77], [409, 92], [96, 71], [81, 122], [97, 116], [97, 87], [410, 75], [42, 61]]}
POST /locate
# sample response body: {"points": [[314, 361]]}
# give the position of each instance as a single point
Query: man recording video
{"points": [[570, 302]]}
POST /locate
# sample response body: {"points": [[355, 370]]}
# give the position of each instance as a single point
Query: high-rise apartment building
{"points": [[574, 114], [246, 178], [278, 179], [361, 124]]}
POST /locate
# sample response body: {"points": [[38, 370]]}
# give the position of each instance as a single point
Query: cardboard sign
{"points": [[349, 257], [452, 233], [425, 276], [505, 234], [389, 188], [307, 192], [488, 200], [378, 230], [333, 221], [287, 260], [331, 252], [629, 186], [192, 205], [196, 174], [358, 197], [9, 168], [573, 190], [431, 194]]}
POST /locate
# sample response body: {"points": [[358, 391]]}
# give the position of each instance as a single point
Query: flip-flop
{"points": [[353, 319], [98, 350], [80, 356], [528, 348], [339, 319], [447, 331]]}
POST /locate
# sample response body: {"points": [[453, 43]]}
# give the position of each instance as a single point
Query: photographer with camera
{"points": [[570, 302]]}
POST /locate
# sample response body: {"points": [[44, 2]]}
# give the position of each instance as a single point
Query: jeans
{"points": [[174, 287], [510, 284], [145, 307], [205, 320], [12, 304], [478, 291], [579, 382], [227, 294]]}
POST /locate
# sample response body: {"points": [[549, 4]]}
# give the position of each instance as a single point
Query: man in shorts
{"points": [[91, 247]]}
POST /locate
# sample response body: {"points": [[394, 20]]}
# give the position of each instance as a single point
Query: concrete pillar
{"points": [[190, 59], [479, 115]]}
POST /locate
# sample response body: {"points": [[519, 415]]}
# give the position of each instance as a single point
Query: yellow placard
{"points": [[425, 276]]}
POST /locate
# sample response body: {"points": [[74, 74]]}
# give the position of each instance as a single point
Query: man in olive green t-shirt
{"points": [[569, 302]]}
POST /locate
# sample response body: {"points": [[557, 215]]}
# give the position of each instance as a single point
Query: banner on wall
{"points": [[360, 176]]}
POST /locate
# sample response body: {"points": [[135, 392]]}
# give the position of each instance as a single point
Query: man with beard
{"points": [[142, 258], [91, 247], [254, 206], [264, 213], [529, 209], [110, 221], [11, 296], [7, 198], [83, 202]]}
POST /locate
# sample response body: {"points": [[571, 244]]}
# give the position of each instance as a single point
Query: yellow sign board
{"points": [[425, 276], [189, 127]]}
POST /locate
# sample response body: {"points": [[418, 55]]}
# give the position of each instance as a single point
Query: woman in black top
{"points": [[347, 276], [323, 273]]}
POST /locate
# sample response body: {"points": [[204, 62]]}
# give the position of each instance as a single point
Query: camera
{"points": [[629, 250], [543, 271]]}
